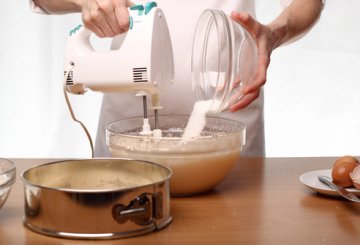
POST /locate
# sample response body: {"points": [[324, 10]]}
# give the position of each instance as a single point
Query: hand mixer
{"points": [[140, 61]]}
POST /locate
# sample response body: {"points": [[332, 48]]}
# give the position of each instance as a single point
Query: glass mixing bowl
{"points": [[7, 179], [198, 165], [224, 58]]}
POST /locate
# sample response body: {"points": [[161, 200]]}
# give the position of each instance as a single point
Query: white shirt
{"points": [[182, 17]]}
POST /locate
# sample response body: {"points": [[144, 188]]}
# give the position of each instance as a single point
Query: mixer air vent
{"points": [[140, 74], [69, 79]]}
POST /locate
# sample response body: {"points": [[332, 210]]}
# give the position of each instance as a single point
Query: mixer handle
{"points": [[81, 35]]}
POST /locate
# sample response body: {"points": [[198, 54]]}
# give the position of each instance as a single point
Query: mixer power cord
{"points": [[72, 112]]}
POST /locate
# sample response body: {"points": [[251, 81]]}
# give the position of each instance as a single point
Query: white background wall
{"points": [[312, 95]]}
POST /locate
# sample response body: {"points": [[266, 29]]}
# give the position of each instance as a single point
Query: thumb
{"points": [[246, 20]]}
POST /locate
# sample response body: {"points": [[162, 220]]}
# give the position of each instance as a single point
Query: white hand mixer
{"points": [[140, 61]]}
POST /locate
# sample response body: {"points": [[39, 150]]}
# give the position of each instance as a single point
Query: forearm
{"points": [[59, 6], [295, 20]]}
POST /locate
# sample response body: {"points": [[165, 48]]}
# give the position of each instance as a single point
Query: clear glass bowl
{"points": [[198, 165], [7, 179], [224, 58]]}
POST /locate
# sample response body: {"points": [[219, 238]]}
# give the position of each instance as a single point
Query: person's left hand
{"points": [[263, 38]]}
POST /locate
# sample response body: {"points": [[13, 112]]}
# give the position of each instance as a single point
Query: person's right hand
{"points": [[106, 18], [263, 37]]}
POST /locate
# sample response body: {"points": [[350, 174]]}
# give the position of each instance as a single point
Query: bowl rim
{"points": [[8, 183], [27, 182], [241, 125], [12, 169], [11, 164]]}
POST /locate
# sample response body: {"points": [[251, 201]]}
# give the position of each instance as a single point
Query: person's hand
{"points": [[106, 18], [263, 38]]}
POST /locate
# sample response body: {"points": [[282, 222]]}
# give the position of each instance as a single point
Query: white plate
{"points": [[310, 179]]}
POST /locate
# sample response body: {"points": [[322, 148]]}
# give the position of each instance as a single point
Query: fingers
{"points": [[129, 4], [262, 36], [93, 27], [106, 18], [112, 28], [122, 19], [244, 101], [260, 77]]}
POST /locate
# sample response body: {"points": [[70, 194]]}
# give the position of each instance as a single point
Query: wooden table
{"points": [[261, 202]]}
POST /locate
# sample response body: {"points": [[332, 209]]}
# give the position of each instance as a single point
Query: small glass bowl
{"points": [[7, 179]]}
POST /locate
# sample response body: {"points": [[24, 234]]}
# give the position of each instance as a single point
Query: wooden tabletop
{"points": [[261, 202]]}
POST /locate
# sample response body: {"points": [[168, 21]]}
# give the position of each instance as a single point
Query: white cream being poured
{"points": [[197, 119]]}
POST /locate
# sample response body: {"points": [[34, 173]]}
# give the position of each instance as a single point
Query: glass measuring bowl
{"points": [[224, 58]]}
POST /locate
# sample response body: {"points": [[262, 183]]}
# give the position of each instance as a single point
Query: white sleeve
{"points": [[35, 8], [285, 3]]}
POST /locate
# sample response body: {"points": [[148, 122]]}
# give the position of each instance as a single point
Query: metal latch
{"points": [[142, 210]]}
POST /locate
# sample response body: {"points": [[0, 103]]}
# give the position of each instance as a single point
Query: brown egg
{"points": [[355, 177], [341, 170]]}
